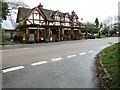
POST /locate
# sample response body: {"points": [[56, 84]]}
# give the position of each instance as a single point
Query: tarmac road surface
{"points": [[68, 64]]}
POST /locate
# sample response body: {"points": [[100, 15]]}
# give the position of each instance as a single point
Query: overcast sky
{"points": [[86, 9]]}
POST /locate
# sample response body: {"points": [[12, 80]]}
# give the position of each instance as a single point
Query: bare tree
{"points": [[16, 5], [13, 7], [13, 22]]}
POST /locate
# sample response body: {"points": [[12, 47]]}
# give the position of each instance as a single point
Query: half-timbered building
{"points": [[41, 24]]}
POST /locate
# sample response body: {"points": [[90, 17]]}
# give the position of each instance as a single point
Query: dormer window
{"points": [[57, 16], [67, 18], [51, 14], [74, 19]]}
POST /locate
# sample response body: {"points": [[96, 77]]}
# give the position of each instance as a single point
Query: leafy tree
{"points": [[89, 25], [97, 22], [3, 13], [4, 10], [105, 31]]}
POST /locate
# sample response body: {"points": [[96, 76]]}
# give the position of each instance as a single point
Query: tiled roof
{"points": [[22, 13], [49, 14]]}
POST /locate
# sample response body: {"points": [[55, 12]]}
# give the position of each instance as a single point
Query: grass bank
{"points": [[8, 43], [110, 60]]}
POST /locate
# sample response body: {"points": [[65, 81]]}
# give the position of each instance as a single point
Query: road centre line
{"points": [[70, 56], [91, 51], [39, 63], [57, 59], [82, 53], [12, 69]]}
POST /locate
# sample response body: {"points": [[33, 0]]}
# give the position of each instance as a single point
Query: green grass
{"points": [[104, 36], [8, 43], [110, 58]]}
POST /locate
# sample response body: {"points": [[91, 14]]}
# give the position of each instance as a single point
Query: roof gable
{"points": [[36, 9], [24, 13]]}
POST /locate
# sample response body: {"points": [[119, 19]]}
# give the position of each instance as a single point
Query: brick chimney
{"points": [[73, 12], [40, 5]]}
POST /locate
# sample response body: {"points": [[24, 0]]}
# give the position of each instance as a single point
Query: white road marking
{"points": [[82, 53], [38, 63], [91, 51], [15, 49], [70, 56], [57, 59], [12, 69], [104, 47], [22, 48], [8, 50]]}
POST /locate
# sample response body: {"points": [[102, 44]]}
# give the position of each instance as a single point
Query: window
{"points": [[74, 20], [36, 14], [67, 18], [57, 16]]}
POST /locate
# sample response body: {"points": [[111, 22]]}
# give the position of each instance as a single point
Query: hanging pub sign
{"points": [[31, 37]]}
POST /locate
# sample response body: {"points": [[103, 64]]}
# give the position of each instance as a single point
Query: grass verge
{"points": [[8, 43], [110, 60]]}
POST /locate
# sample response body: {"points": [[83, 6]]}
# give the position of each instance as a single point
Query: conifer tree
{"points": [[97, 22]]}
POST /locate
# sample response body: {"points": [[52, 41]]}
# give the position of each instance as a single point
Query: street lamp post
{"points": [[108, 28]]}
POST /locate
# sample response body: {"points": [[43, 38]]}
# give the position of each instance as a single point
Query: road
{"points": [[68, 64]]}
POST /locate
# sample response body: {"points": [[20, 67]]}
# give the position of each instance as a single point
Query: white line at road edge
{"points": [[91, 51], [22, 48], [82, 53], [15, 49], [71, 56], [38, 63], [57, 59], [12, 69]]}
